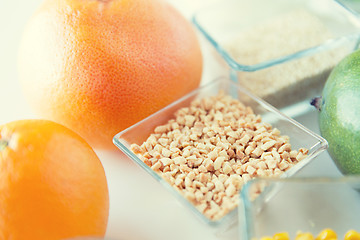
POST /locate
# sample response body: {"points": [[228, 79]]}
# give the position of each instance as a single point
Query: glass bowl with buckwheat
{"points": [[206, 145]]}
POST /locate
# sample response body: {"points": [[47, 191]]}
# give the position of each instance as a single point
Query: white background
{"points": [[139, 207]]}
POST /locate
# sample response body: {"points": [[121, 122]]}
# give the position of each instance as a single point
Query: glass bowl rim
{"points": [[328, 44]]}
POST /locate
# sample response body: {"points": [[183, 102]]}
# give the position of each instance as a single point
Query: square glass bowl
{"points": [[280, 50], [299, 204], [298, 134]]}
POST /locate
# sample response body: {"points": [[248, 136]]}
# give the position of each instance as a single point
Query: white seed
{"points": [[268, 145], [230, 190], [218, 162], [156, 166], [179, 160], [166, 161]]}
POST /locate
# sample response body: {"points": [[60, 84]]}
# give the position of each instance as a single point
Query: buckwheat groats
{"points": [[211, 148]]}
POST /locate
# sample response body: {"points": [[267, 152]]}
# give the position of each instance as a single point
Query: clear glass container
{"points": [[352, 5], [280, 50], [270, 206], [298, 134]]}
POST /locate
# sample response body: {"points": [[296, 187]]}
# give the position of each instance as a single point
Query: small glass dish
{"points": [[300, 137], [293, 205], [280, 50]]}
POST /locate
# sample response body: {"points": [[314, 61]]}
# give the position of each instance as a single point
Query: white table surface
{"points": [[139, 207]]}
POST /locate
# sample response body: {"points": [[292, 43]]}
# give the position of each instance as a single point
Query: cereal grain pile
{"points": [[285, 34], [212, 148]]}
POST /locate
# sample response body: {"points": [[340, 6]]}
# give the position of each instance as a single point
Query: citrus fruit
{"points": [[52, 184], [98, 66], [339, 114]]}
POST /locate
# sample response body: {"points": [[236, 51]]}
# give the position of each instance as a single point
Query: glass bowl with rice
{"points": [[282, 51], [206, 145]]}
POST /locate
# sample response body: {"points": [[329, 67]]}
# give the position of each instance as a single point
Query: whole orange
{"points": [[99, 66], [52, 184]]}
